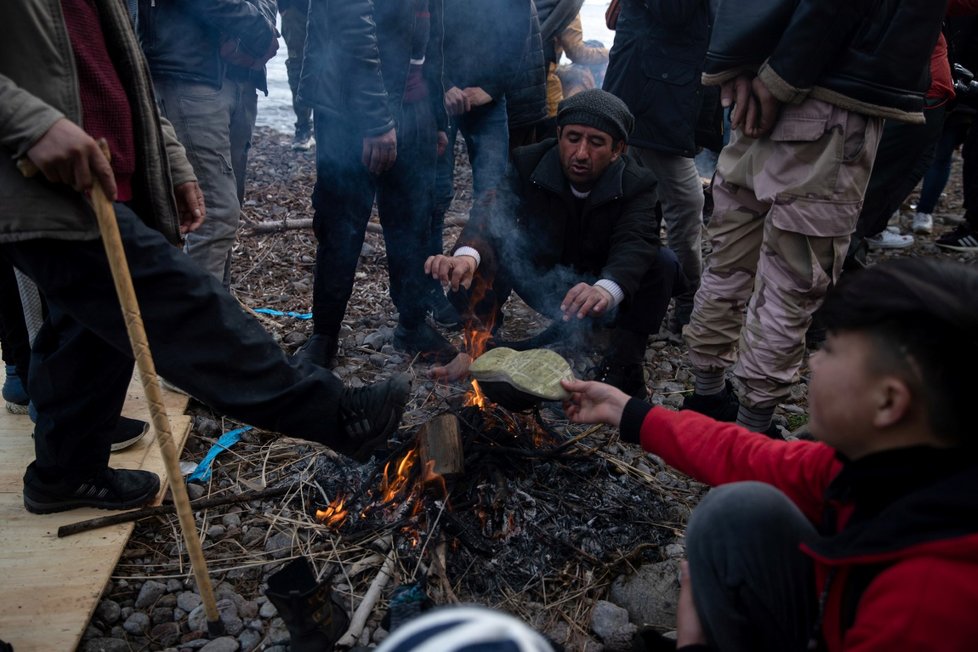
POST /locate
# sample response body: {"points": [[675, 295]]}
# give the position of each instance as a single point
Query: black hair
{"points": [[922, 313]]}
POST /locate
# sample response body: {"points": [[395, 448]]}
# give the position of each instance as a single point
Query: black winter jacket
{"points": [[526, 94], [182, 38], [357, 59], [481, 52], [869, 56], [655, 66], [534, 216]]}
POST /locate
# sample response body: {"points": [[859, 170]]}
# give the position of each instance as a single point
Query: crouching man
{"points": [[573, 232], [866, 539]]}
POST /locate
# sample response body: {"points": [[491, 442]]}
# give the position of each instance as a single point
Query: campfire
{"points": [[502, 508]]}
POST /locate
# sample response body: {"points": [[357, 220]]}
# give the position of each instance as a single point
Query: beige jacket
{"points": [[38, 86], [571, 42]]}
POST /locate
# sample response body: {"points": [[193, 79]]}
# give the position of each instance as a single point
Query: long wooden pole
{"points": [[112, 241]]}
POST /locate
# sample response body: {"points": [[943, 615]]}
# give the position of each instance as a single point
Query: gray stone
{"points": [[174, 586], [92, 632], [650, 595], [166, 634], [105, 645], [378, 338], [223, 644], [231, 520], [108, 611], [610, 623], [268, 610], [278, 634], [247, 609], [279, 545], [249, 640], [188, 601], [150, 593], [195, 491], [137, 623], [118, 632], [216, 531], [161, 615], [675, 551]]}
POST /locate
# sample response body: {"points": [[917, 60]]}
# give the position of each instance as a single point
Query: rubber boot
{"points": [[313, 616]]}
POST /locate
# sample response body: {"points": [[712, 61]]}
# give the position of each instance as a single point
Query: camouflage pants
{"points": [[785, 207]]}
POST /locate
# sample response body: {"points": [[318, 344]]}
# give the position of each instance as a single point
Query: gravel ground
{"points": [[150, 603]]}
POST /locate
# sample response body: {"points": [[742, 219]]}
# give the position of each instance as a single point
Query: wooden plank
{"points": [[51, 586], [440, 447]]}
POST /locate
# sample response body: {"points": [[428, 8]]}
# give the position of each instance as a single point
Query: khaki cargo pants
{"points": [[784, 208]]}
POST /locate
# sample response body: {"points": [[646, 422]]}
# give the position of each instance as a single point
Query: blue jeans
{"points": [[486, 135], [954, 133]]}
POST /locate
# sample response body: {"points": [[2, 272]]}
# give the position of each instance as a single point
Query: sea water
{"points": [[275, 111]]}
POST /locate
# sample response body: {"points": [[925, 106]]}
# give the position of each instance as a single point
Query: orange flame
{"points": [[432, 477], [475, 396], [335, 512], [391, 487]]}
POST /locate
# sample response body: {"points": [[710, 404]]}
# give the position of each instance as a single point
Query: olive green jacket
{"points": [[39, 86]]}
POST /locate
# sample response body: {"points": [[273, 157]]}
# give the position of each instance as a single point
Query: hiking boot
{"points": [[628, 377], [923, 223], [720, 407], [963, 238], [303, 140], [443, 312], [127, 432], [425, 342], [14, 392], [889, 240], [370, 415], [320, 350], [108, 489]]}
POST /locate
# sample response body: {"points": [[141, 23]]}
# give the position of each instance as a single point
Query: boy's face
{"points": [[843, 393]]}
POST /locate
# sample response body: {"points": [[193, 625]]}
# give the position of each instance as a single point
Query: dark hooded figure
{"points": [[373, 73]]}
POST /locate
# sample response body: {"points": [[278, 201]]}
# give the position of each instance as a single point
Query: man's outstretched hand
{"points": [[584, 299], [455, 271], [594, 402], [457, 369], [66, 154]]}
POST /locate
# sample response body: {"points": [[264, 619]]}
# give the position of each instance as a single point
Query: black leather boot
{"points": [[315, 619]]}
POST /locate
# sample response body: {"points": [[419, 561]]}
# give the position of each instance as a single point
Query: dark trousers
{"points": [[753, 588], [905, 152], [200, 338], [342, 199], [544, 289], [13, 330], [954, 132]]}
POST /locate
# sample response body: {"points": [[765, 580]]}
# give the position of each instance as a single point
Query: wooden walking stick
{"points": [[112, 240]]}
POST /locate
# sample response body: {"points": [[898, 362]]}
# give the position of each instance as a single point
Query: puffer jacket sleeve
{"points": [[236, 18], [180, 168], [719, 453], [24, 118]]}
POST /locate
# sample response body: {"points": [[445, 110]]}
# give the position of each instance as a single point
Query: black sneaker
{"points": [[443, 312], [127, 432], [425, 342], [629, 378], [108, 489], [963, 238], [721, 407], [319, 350], [370, 415]]}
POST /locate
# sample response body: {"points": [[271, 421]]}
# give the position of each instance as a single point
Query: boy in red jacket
{"points": [[866, 539]]}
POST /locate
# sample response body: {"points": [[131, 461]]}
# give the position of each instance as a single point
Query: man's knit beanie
{"points": [[599, 109]]}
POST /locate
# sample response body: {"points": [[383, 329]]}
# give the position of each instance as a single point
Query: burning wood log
{"points": [[440, 447]]}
